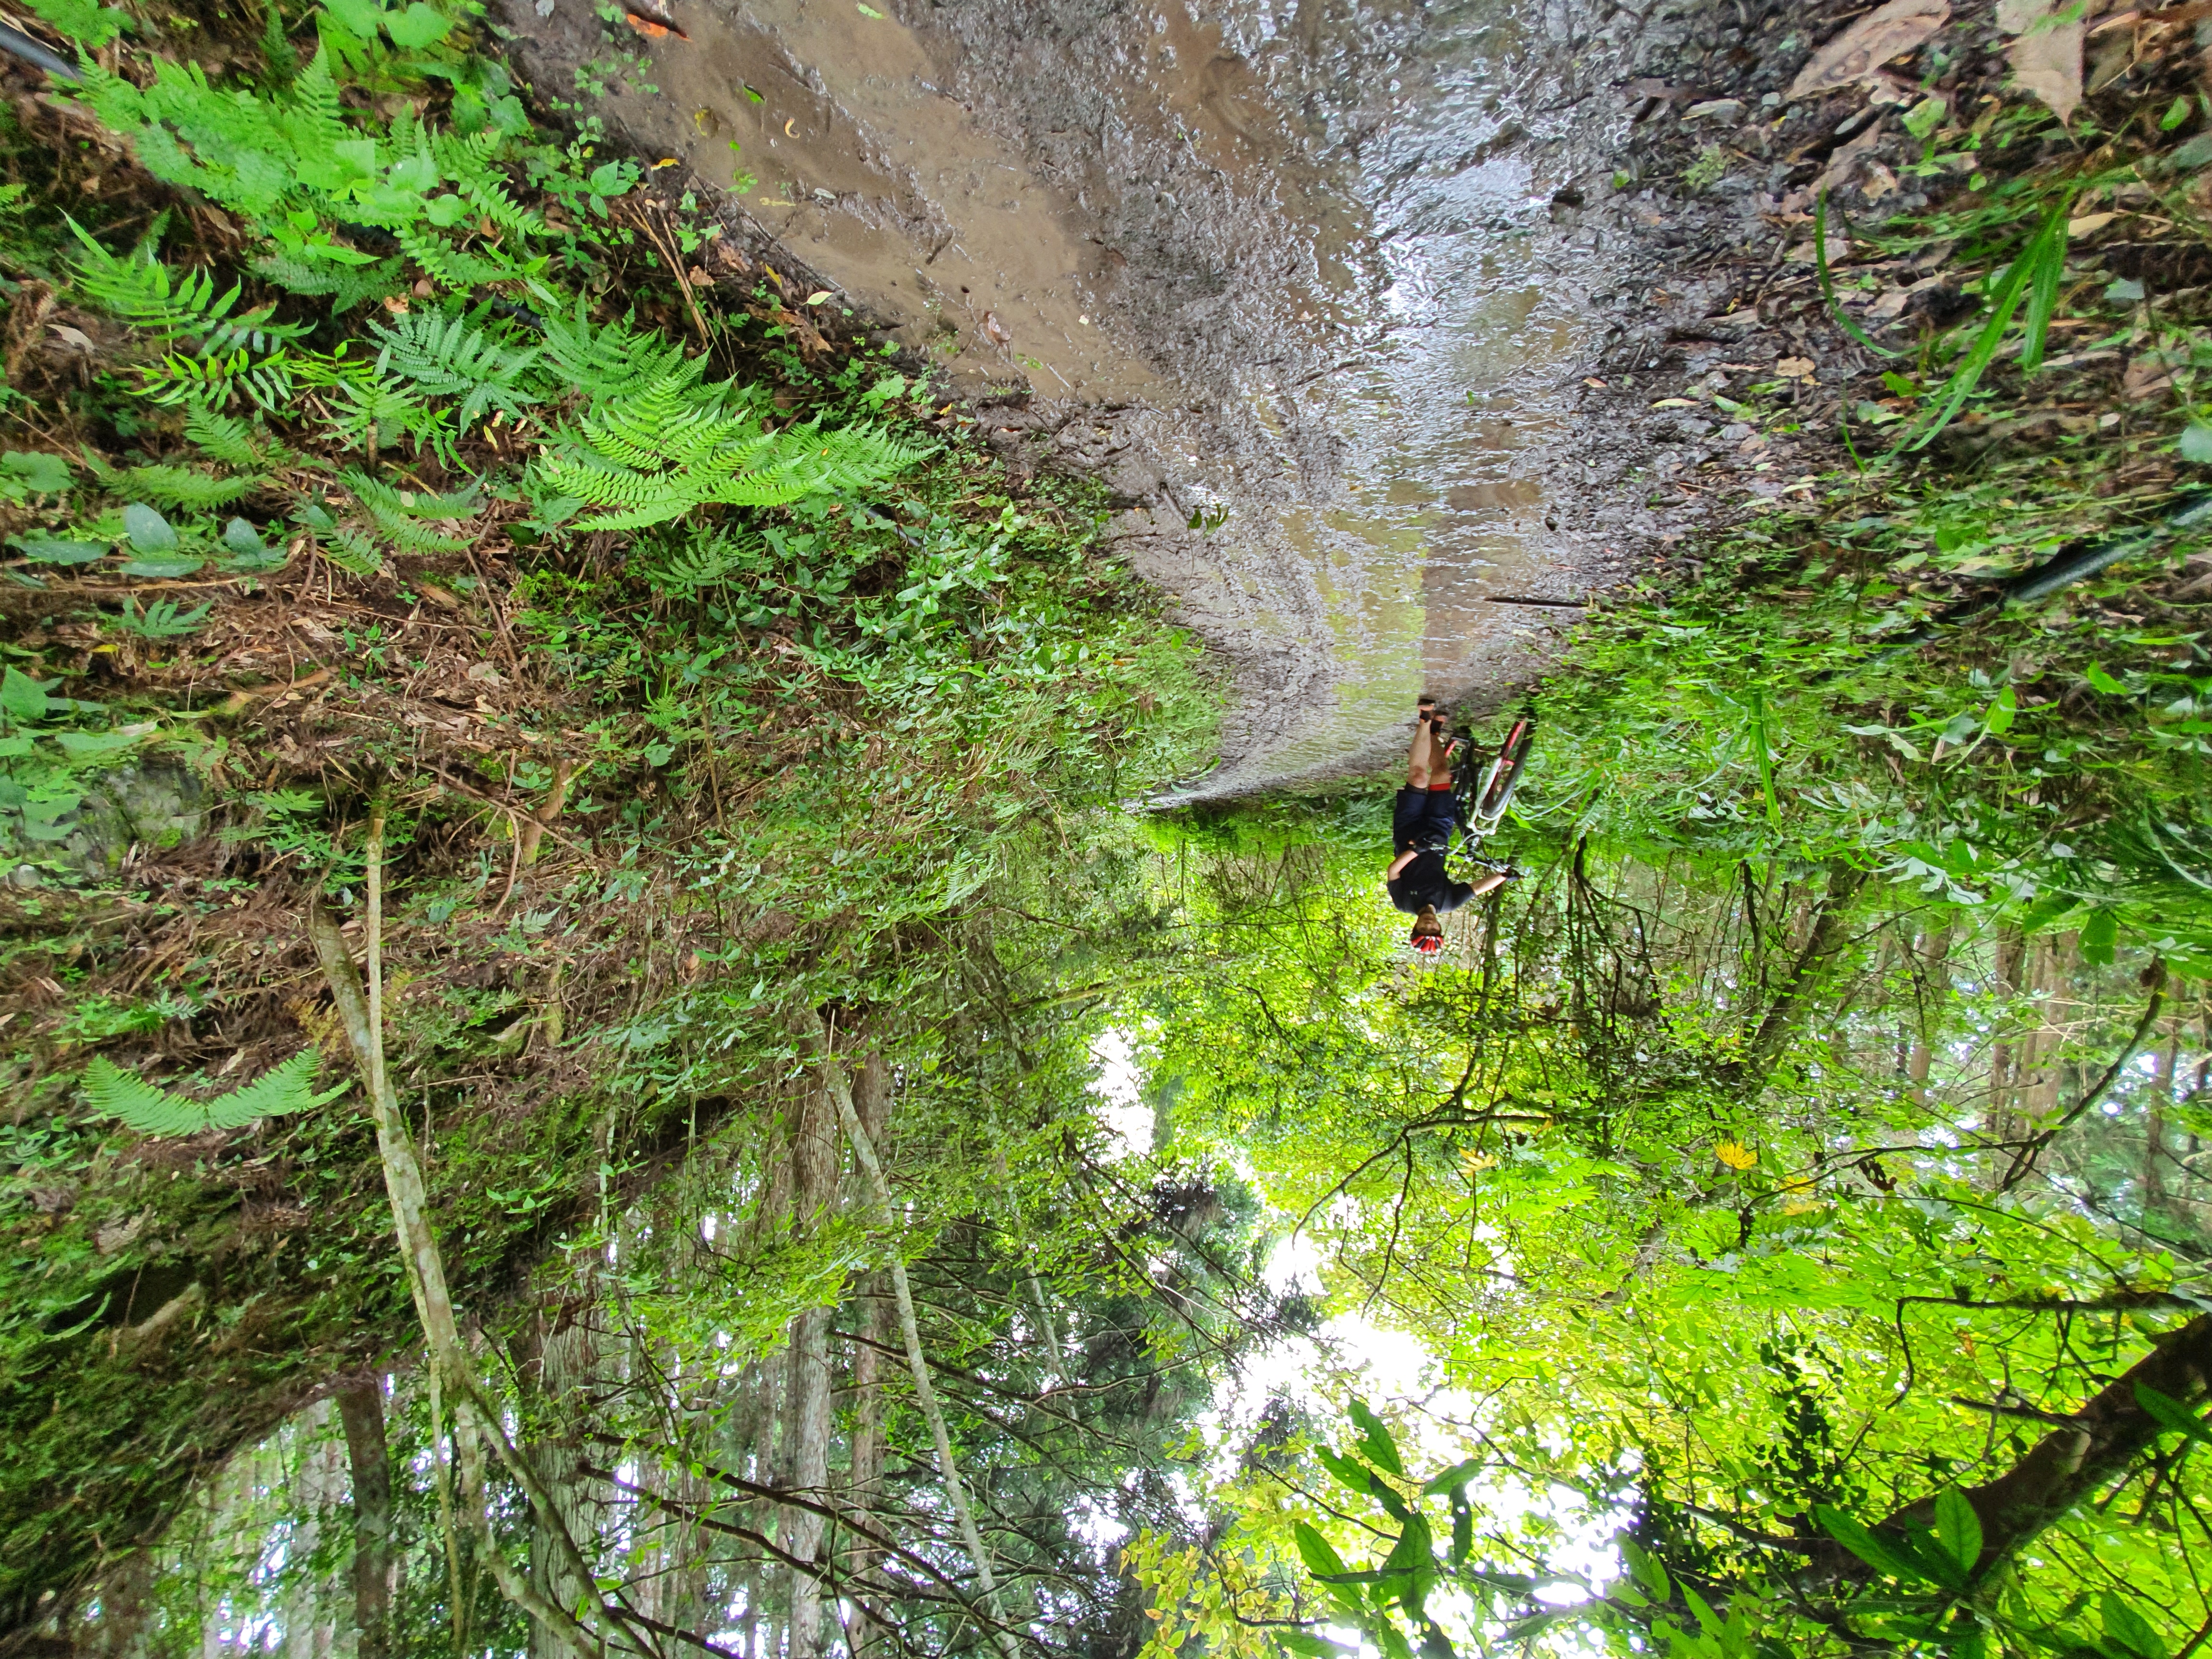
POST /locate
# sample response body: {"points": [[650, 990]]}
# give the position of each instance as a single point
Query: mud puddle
{"points": [[1313, 275]]}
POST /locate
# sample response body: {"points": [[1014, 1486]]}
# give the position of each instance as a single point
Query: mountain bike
{"points": [[1481, 805]]}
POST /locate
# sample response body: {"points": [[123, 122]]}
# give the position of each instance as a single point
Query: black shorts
{"points": [[1421, 821]]}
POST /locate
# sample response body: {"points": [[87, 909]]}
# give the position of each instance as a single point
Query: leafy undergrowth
{"points": [[364, 443], [2010, 370]]}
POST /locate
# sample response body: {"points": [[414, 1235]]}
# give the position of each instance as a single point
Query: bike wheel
{"points": [[1505, 775]]}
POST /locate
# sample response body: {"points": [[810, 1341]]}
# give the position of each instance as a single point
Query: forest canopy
{"points": [[612, 1049]]}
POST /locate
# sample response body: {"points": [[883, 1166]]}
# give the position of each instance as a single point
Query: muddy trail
{"points": [[1359, 310]]}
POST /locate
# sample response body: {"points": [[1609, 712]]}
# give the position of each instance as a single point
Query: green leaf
{"points": [[1375, 1440], [2176, 114], [162, 567], [2196, 445], [417, 26], [41, 474], [1828, 283], [1846, 1530], [1317, 1552], [1413, 1551], [1959, 1529], [22, 696], [1452, 1479], [358, 17], [2169, 1413], [51, 552], [1307, 1645], [2128, 1630], [1999, 718], [2048, 243], [149, 532], [1924, 117], [1645, 1568], [2100, 937], [2102, 680], [1348, 1471]]}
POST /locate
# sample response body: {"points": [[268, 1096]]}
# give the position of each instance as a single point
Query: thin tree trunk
{"points": [[871, 1100], [363, 1018], [1826, 930], [814, 1163], [2156, 1152], [2000, 1120], [956, 1491], [1937, 970], [361, 1410], [125, 1599]]}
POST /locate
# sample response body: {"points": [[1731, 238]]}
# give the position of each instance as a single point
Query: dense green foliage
{"points": [[1775, 1181]]}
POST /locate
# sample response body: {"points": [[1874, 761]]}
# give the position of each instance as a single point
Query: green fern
{"points": [[604, 360], [280, 1091], [363, 406], [146, 294], [469, 163], [179, 486], [446, 358], [674, 445], [212, 381], [350, 549], [346, 286], [705, 559], [400, 516], [225, 437]]}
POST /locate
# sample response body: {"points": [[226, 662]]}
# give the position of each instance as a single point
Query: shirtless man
{"points": [[1420, 834]]}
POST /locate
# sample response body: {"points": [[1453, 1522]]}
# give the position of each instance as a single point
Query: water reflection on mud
{"points": [[1298, 261]]}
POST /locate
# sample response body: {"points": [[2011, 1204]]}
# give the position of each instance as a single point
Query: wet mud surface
{"points": [[1361, 289]]}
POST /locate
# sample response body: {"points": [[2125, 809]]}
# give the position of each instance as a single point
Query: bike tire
{"points": [[1505, 773]]}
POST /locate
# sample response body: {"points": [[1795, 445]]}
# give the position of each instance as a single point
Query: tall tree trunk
{"points": [[814, 1170], [566, 1377], [361, 1410], [2156, 1154], [125, 1599], [476, 1421], [2000, 1120], [1936, 969], [871, 1103], [2079, 1456], [925, 1392], [1825, 931]]}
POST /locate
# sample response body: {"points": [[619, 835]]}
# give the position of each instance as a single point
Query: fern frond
{"points": [[225, 437], [447, 358], [350, 549], [278, 1092], [468, 162], [388, 409], [400, 515], [674, 445], [347, 286], [452, 267], [145, 293], [705, 560], [604, 360], [210, 381], [179, 486]]}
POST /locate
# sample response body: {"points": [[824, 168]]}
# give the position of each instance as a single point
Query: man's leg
{"points": [[1423, 755]]}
